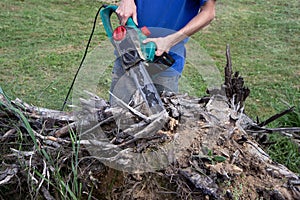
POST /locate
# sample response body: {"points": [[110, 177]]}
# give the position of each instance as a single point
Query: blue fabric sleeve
{"points": [[202, 2]]}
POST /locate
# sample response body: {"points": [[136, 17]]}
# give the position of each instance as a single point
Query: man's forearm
{"points": [[202, 19]]}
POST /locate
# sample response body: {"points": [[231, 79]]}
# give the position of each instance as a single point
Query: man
{"points": [[171, 22]]}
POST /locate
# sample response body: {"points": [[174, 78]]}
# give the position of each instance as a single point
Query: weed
{"points": [[210, 157], [237, 192], [76, 185], [66, 184]]}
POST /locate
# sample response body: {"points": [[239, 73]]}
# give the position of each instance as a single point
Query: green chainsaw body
{"points": [[148, 49]]}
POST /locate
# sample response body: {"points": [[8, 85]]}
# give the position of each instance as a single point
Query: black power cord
{"points": [[83, 58]]}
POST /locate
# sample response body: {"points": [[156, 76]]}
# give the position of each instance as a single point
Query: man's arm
{"points": [[202, 19]]}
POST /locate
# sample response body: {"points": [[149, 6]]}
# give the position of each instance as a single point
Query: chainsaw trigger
{"points": [[165, 59]]}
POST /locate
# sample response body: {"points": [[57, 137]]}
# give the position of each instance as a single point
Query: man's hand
{"points": [[164, 44], [126, 9], [161, 45]]}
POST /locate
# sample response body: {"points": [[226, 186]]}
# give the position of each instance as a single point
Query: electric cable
{"points": [[83, 58]]}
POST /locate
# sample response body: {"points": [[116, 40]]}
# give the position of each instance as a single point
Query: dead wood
{"points": [[276, 116], [235, 90], [44, 113], [199, 148]]}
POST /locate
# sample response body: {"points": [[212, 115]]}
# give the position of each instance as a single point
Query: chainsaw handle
{"points": [[148, 49], [105, 15]]}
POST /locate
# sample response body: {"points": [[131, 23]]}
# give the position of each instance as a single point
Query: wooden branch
{"points": [[282, 129], [235, 90], [51, 138], [228, 73], [97, 125], [150, 129], [124, 105], [8, 134], [64, 131], [8, 174], [276, 116], [44, 112], [47, 194]]}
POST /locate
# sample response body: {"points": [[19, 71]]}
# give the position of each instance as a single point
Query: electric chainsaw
{"points": [[135, 57]]}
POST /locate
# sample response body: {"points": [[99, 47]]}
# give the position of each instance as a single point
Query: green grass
{"points": [[42, 43], [41, 47], [291, 119], [264, 37], [284, 151]]}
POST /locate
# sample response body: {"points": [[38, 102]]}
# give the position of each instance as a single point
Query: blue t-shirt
{"points": [[170, 14], [164, 17]]}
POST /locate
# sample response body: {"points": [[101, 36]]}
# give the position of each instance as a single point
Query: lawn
{"points": [[42, 43], [264, 40]]}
